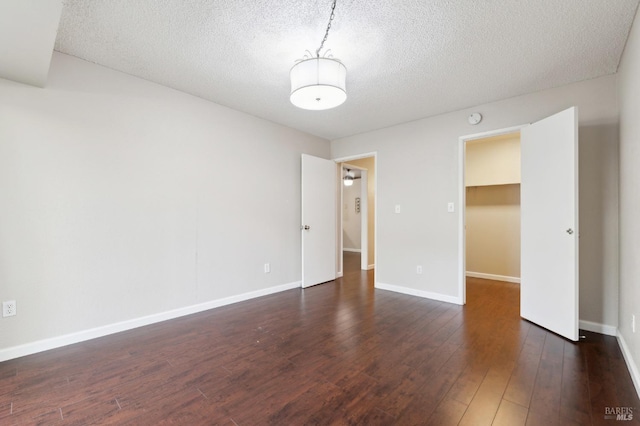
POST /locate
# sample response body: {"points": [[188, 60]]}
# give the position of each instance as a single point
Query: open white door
{"points": [[318, 220], [549, 223]]}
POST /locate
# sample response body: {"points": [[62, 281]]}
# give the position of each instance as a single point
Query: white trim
{"points": [[364, 218], [490, 133], [346, 165], [81, 336], [462, 227], [420, 293], [355, 157], [631, 365], [493, 277], [596, 327], [339, 274], [340, 224], [370, 267], [353, 250]]}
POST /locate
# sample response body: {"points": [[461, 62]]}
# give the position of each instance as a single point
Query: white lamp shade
{"points": [[318, 83], [348, 180]]}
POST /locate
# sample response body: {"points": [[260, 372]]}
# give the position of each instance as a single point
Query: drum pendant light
{"points": [[318, 83]]}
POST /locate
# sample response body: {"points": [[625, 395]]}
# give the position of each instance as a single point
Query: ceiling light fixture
{"points": [[318, 83], [348, 178]]}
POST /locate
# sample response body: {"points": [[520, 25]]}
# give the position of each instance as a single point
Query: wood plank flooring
{"points": [[338, 353]]}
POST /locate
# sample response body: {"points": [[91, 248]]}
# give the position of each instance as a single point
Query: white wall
{"points": [[493, 161], [418, 169], [351, 221], [121, 198], [629, 95], [492, 221], [28, 32]]}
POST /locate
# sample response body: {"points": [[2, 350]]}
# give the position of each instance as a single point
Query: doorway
{"points": [[549, 262], [481, 181], [492, 208], [356, 233], [354, 181]]}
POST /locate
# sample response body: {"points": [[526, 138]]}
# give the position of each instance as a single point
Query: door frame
{"points": [[462, 202], [340, 247], [364, 213]]}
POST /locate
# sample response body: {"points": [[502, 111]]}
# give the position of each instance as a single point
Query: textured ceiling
{"points": [[406, 59]]}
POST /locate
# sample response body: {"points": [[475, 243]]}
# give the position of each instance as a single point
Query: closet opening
{"points": [[492, 209]]}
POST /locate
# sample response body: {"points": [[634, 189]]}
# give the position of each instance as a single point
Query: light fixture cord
{"points": [[326, 34]]}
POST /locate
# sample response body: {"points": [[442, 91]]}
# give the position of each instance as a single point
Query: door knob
{"points": [[569, 231], [305, 227]]}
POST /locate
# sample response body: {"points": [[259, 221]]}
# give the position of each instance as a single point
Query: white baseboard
{"points": [[81, 336], [631, 365], [493, 277], [352, 250], [419, 293], [596, 327], [339, 274]]}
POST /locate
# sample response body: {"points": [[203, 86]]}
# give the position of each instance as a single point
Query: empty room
{"points": [[319, 212]]}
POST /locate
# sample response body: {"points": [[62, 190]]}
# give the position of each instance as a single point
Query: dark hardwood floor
{"points": [[338, 353]]}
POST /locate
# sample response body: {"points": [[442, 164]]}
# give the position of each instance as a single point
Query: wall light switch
{"points": [[450, 208], [267, 268], [397, 208]]}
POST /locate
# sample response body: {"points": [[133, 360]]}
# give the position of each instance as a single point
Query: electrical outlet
{"points": [[9, 308], [633, 323], [267, 268], [419, 269]]}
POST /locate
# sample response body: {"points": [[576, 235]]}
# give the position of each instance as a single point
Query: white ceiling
{"points": [[406, 59]]}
